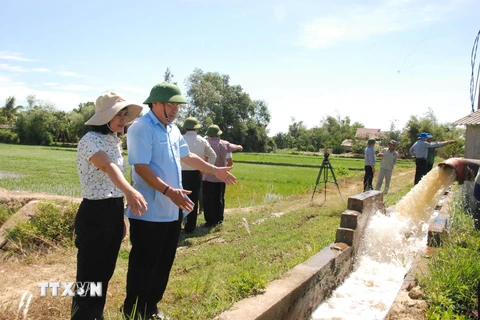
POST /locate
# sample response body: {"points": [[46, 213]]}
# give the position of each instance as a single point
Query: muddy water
{"points": [[387, 250]]}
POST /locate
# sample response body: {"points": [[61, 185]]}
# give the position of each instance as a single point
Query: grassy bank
{"points": [[450, 284]]}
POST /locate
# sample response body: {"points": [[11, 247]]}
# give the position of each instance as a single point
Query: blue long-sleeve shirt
{"points": [[369, 156], [420, 148]]}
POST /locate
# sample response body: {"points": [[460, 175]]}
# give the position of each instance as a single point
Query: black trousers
{"points": [[192, 180], [99, 233], [368, 179], [420, 170], [154, 245], [213, 202]]}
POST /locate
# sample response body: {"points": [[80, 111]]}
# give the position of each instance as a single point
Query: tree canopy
{"points": [[213, 100]]}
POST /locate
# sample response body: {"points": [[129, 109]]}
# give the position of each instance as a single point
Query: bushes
{"points": [[4, 214], [8, 136], [53, 224]]}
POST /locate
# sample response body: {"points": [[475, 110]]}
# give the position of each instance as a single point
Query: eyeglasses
{"points": [[173, 104]]}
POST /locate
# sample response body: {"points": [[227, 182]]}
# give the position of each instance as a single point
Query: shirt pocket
{"points": [[160, 152]]}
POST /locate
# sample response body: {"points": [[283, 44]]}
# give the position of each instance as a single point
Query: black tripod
{"points": [[326, 165]]}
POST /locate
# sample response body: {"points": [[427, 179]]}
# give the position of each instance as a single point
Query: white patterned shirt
{"points": [[95, 183]]}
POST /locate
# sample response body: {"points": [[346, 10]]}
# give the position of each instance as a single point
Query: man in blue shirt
{"points": [[155, 149], [420, 151], [369, 165]]}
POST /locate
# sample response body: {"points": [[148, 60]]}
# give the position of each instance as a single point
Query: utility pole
{"points": [[478, 100]]}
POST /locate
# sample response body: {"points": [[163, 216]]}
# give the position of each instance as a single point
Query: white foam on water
{"points": [[388, 248]]}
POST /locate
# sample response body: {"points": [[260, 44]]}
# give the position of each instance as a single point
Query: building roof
{"points": [[367, 133], [347, 143], [472, 119]]}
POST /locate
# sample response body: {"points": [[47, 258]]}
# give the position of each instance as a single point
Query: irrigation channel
{"points": [[388, 248]]}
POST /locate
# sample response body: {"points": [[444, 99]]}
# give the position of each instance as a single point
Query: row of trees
{"points": [[213, 100], [333, 131], [39, 123]]}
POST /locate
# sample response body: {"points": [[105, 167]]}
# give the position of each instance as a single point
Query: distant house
{"points": [[365, 133], [347, 145], [472, 134], [6, 126]]}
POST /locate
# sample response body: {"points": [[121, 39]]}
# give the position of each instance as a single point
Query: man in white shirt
{"points": [[192, 178], [389, 159]]}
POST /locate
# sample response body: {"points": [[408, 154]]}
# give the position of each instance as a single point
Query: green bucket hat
{"points": [[191, 123], [165, 92], [371, 141], [214, 131]]}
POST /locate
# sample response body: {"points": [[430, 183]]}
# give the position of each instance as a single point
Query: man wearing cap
{"points": [[192, 178], [369, 166], [213, 188], [389, 159], [155, 150], [420, 151]]}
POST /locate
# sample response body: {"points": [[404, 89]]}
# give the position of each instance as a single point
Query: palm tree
{"points": [[9, 111]]}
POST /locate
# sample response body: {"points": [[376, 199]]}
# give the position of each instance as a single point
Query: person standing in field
{"points": [[99, 223], [213, 188], [369, 166], [420, 151], [432, 153], [389, 159], [192, 178], [156, 149]]}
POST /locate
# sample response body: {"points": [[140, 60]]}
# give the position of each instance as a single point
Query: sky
{"points": [[379, 62]]}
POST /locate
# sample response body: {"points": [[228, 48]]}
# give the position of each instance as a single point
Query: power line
{"points": [[473, 82]]}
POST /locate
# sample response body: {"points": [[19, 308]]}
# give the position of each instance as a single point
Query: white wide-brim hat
{"points": [[108, 105]]}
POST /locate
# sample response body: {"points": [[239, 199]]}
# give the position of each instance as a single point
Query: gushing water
{"points": [[387, 250]]}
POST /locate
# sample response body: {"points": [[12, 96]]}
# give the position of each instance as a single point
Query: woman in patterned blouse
{"points": [[99, 224]]}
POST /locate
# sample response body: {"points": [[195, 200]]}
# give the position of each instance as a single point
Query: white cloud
{"points": [[6, 81], [358, 22], [40, 70], [5, 55], [67, 87], [134, 89], [72, 74], [62, 100], [8, 67]]}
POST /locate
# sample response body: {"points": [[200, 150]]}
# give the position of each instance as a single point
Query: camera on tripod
{"points": [[325, 168]]}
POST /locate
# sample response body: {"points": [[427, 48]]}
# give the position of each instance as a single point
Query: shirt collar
{"points": [[155, 120]]}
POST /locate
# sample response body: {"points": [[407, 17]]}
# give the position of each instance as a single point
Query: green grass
{"points": [[39, 169], [53, 170], [453, 270], [314, 160], [52, 225]]}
